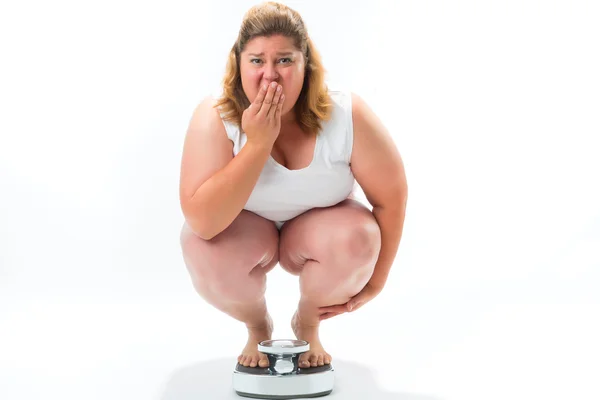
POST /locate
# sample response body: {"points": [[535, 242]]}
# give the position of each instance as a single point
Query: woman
{"points": [[280, 188]]}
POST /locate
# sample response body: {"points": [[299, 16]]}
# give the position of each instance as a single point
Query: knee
{"points": [[346, 266], [357, 245]]}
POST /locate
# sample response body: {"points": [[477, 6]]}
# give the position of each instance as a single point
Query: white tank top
{"points": [[281, 194]]}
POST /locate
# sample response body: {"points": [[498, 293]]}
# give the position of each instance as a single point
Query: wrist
{"points": [[262, 146]]}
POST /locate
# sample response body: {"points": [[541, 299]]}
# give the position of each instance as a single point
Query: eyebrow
{"points": [[279, 53]]}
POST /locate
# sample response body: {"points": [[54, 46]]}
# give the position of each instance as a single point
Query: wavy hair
{"points": [[270, 18]]}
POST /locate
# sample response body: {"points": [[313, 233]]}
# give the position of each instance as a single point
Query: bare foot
{"points": [[250, 356], [316, 356]]}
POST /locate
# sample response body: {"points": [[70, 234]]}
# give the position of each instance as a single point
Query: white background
{"points": [[494, 107]]}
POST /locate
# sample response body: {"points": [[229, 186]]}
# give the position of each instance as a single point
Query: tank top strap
{"points": [[233, 133], [342, 137]]}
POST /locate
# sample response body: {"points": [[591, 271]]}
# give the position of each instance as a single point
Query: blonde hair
{"points": [[267, 19]]}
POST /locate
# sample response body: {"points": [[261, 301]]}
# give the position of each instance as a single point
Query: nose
{"points": [[270, 74]]}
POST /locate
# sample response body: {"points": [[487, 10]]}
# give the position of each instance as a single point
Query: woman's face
{"points": [[273, 59]]}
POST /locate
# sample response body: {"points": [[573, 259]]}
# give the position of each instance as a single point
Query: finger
{"points": [[335, 308], [275, 105], [326, 311], [279, 108], [267, 102], [260, 97], [341, 309]]}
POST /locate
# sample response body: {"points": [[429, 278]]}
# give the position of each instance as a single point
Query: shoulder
{"points": [[207, 110], [207, 118], [358, 107], [214, 114], [364, 120]]}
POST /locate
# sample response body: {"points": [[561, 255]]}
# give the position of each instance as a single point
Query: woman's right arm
{"points": [[214, 185]]}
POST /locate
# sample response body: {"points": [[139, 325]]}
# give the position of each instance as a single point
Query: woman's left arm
{"points": [[379, 170]]}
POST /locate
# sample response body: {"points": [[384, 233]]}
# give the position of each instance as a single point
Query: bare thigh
{"points": [[231, 266], [344, 234]]}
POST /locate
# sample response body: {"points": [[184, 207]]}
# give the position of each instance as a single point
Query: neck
{"points": [[289, 118]]}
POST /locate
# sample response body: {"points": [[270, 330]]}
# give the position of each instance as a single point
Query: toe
{"points": [[320, 360], [263, 363], [313, 360], [304, 363], [253, 361], [246, 361]]}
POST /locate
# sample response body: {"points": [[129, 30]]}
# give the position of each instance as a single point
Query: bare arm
{"points": [[214, 185]]}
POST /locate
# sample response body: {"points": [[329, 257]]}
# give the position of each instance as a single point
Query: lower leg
{"points": [[229, 272], [249, 307], [246, 304], [314, 283], [305, 324]]}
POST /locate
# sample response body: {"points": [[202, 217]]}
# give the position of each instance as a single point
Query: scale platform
{"points": [[283, 379]]}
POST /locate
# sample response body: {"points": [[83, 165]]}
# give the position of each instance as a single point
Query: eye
{"points": [[258, 59]]}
